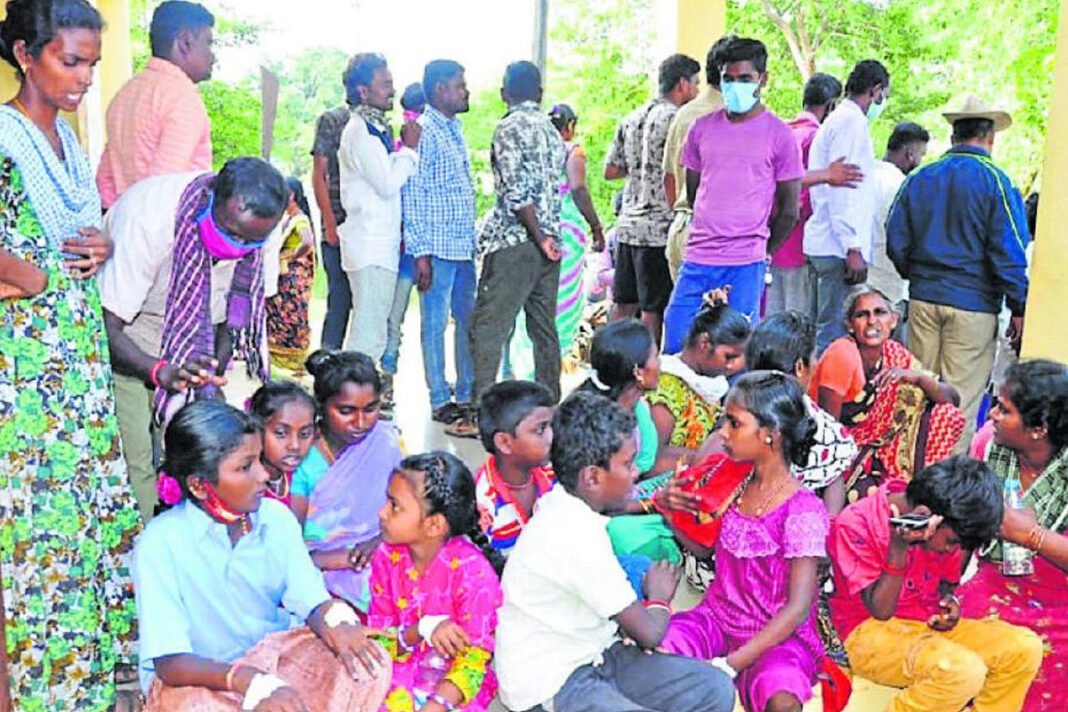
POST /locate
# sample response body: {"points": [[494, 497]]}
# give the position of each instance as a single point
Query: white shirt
{"points": [[562, 585], [371, 181], [134, 283], [842, 218], [881, 272]]}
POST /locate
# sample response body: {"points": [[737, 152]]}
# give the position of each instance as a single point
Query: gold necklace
{"points": [[283, 487], [21, 107], [770, 496]]}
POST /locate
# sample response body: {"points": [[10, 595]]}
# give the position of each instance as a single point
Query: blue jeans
{"points": [[338, 298], [451, 289], [828, 276], [747, 286], [401, 297]]}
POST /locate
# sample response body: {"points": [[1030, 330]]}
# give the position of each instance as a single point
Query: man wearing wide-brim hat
{"points": [[958, 232]]}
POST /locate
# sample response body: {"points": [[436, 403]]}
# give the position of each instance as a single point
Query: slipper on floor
{"points": [[448, 413], [466, 426]]}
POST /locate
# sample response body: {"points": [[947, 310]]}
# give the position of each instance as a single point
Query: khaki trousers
{"points": [[988, 662], [678, 236], [133, 408]]}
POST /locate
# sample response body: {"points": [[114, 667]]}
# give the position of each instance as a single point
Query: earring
{"points": [[768, 441]]}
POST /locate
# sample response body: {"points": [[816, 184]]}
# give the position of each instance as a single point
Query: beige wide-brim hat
{"points": [[975, 108]]}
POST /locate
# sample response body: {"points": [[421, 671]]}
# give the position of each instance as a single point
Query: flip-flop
{"points": [[448, 413], [466, 426]]}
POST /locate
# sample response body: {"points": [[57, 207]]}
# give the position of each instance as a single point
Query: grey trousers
{"points": [[629, 680], [828, 276], [515, 278]]}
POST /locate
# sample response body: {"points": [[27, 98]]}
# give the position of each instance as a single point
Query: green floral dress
{"points": [[67, 514]]}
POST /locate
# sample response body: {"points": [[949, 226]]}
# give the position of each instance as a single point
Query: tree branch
{"points": [[788, 33]]}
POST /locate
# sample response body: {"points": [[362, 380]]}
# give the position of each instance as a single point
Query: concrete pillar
{"points": [[1045, 334], [699, 23]]}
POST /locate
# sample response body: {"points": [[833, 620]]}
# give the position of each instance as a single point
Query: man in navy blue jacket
{"points": [[958, 232]]}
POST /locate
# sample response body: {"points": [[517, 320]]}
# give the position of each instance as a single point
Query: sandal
{"points": [[448, 413], [466, 426]]}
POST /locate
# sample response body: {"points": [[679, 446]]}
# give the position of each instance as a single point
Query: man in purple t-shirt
{"points": [[743, 176]]}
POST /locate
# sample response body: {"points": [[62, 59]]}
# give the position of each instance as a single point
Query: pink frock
{"points": [[459, 583], [751, 585]]}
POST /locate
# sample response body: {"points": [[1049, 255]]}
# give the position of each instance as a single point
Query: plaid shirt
{"points": [[1048, 494], [528, 168], [328, 131], [438, 202]]}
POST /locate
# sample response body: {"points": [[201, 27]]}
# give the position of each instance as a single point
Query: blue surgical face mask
{"points": [[740, 97], [876, 110]]}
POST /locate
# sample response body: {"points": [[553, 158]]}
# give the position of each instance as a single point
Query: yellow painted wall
{"points": [[699, 24], [1045, 327]]}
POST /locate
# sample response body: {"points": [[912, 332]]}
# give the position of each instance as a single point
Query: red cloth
{"points": [[718, 480], [858, 546]]}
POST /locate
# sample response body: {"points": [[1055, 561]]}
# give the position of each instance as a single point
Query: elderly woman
{"points": [[67, 515], [902, 417], [1031, 445]]}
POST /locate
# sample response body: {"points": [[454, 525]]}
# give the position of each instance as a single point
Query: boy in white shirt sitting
{"points": [[566, 597]]}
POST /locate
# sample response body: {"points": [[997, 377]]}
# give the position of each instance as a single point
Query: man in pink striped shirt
{"points": [[157, 123]]}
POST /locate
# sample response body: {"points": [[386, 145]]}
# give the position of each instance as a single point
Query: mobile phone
{"points": [[911, 521]]}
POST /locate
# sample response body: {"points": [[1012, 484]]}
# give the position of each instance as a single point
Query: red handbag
{"points": [[718, 480]]}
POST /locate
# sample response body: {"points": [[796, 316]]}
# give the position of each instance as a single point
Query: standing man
{"points": [[958, 233], [520, 238], [708, 101], [183, 291], [838, 237], [743, 176], [157, 123], [904, 153], [439, 232], [326, 184], [373, 170], [642, 281]]}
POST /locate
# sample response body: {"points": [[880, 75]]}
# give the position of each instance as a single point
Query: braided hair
{"points": [[448, 488]]}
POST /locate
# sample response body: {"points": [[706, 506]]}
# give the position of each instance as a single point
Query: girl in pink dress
{"points": [[434, 591], [757, 621]]}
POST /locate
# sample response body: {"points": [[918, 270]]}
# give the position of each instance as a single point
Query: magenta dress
{"points": [[459, 583], [752, 583]]}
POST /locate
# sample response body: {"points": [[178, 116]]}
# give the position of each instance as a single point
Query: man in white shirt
{"points": [[904, 152], [566, 596], [372, 175], [838, 236]]}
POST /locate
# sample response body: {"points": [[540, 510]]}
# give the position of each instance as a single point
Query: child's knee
{"points": [[783, 702], [1024, 650], [953, 668]]}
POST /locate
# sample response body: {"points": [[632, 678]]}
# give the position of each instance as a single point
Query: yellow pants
{"points": [[990, 663]]}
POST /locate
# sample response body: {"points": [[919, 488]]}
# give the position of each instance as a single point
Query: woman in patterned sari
{"points": [[67, 514], [1031, 445], [902, 417], [288, 332]]}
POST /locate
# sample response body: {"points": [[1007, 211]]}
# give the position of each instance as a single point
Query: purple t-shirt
{"points": [[740, 164]]}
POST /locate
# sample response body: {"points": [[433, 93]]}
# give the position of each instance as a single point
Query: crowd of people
{"points": [[788, 405]]}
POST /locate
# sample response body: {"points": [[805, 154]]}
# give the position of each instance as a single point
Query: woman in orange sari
{"points": [[901, 416]]}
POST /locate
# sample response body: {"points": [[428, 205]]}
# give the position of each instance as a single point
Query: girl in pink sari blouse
{"points": [[341, 484], [435, 589]]}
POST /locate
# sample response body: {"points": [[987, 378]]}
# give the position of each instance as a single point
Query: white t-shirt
{"points": [[881, 273], [562, 586]]}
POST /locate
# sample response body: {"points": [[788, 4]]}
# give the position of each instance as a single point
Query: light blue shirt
{"points": [[198, 594]]}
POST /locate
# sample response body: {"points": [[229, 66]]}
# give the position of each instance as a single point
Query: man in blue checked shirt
{"points": [[439, 232]]}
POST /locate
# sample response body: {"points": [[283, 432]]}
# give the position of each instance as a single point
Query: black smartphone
{"points": [[911, 521]]}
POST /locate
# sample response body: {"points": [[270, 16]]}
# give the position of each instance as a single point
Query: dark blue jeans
{"points": [[338, 298]]}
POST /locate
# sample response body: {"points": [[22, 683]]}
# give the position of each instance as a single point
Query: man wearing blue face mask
{"points": [[839, 235], [743, 177], [184, 289]]}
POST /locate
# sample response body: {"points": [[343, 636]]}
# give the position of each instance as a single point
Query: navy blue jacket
{"points": [[957, 231]]}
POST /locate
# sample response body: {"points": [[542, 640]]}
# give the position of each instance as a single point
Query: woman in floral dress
{"points": [[67, 515]]}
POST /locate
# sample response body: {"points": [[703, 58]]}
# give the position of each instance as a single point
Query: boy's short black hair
{"points": [[588, 429], [674, 69], [966, 494], [504, 405]]}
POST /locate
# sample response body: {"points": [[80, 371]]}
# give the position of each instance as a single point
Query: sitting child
{"points": [[757, 621], [896, 556], [566, 595], [515, 423], [287, 413], [219, 578], [341, 485], [434, 588]]}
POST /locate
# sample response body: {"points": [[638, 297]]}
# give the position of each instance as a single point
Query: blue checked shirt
{"points": [[439, 200]]}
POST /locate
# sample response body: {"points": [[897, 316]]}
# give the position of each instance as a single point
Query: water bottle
{"points": [[431, 672], [1015, 559]]}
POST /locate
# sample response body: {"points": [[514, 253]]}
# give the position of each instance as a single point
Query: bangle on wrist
{"points": [[231, 675], [657, 603], [153, 375], [891, 570], [441, 701], [1036, 538], [402, 640]]}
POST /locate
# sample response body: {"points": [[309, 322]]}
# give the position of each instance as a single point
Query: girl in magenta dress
{"points": [[757, 621], [287, 413], [434, 591]]}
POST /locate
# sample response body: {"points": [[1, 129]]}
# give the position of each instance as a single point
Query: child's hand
{"points": [[947, 619], [354, 648], [449, 639], [360, 556], [674, 498], [660, 581]]}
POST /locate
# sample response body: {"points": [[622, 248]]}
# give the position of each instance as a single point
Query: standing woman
{"points": [[288, 331], [67, 514]]}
